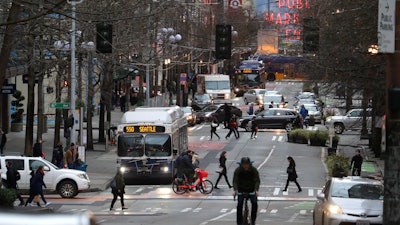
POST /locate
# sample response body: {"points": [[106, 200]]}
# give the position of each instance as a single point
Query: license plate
{"points": [[362, 222]]}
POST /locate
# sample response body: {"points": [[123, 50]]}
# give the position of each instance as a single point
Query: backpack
{"points": [[17, 176]]}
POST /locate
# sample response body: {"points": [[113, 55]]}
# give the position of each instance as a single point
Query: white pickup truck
{"points": [[66, 182]]}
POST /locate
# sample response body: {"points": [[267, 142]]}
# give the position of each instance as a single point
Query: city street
{"points": [[157, 204]]}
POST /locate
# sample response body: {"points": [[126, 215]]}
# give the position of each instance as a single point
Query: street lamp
{"points": [[73, 4]]}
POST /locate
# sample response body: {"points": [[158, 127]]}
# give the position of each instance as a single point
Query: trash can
{"points": [[45, 124]]}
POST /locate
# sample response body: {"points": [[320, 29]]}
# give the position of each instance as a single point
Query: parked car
{"points": [[313, 111], [190, 115], [200, 101], [66, 182], [255, 95], [278, 99], [218, 110], [273, 118], [351, 121], [349, 200]]}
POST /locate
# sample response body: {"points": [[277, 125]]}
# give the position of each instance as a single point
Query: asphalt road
{"points": [[158, 205]]}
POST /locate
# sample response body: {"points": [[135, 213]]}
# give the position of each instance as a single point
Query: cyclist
{"points": [[246, 179]]}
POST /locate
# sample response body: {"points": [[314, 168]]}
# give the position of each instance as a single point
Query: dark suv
{"points": [[273, 118]]}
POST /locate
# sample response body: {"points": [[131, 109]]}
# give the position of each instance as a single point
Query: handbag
{"points": [[214, 124], [36, 199], [219, 170]]}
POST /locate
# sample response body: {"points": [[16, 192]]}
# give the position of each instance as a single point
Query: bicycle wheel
{"points": [[206, 187], [246, 216], [177, 189]]}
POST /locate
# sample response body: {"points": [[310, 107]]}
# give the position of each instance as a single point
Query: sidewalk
{"points": [[372, 167], [101, 161]]}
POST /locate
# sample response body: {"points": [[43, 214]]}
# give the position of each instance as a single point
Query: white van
{"points": [[66, 182]]}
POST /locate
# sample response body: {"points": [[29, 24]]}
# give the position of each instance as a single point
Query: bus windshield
{"points": [[158, 145], [131, 146], [217, 85], [248, 78], [153, 145]]}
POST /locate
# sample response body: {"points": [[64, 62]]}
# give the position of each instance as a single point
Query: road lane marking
{"points": [[202, 138], [139, 190], [319, 191], [293, 218], [197, 210], [268, 157], [280, 139], [273, 138], [285, 192], [263, 211], [224, 210], [303, 212], [310, 192], [276, 191], [186, 210], [218, 217], [274, 211]]}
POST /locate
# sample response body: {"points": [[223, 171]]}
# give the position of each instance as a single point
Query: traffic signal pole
{"points": [[391, 203]]}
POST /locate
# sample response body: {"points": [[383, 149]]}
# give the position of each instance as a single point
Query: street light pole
{"points": [[73, 76]]}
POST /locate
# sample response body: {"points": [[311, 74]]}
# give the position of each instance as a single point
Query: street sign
{"points": [[8, 89], [183, 78], [60, 105], [386, 26]]}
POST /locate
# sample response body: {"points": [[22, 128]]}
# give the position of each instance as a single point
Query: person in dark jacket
{"points": [[254, 128], [12, 181], [3, 140], [37, 149], [31, 191], [227, 115], [292, 174], [222, 164], [38, 184], [186, 166], [246, 179], [214, 125], [58, 155], [118, 189], [356, 163]]}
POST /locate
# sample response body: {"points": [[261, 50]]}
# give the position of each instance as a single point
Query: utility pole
{"points": [[391, 203]]}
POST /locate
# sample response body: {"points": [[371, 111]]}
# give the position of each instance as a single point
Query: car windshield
{"points": [[311, 108], [210, 108], [218, 85], [260, 92], [274, 98], [202, 98], [187, 110], [357, 190]]}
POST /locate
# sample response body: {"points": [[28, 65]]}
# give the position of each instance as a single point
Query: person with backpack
{"points": [[12, 177], [304, 114], [58, 155], [118, 189], [233, 128]]}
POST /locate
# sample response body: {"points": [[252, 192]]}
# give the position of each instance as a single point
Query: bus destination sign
{"points": [[144, 129]]}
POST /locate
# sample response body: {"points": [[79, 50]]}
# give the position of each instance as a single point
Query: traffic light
{"points": [[223, 41], [104, 38]]}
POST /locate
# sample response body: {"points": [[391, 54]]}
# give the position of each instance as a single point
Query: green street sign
{"points": [[60, 105]]}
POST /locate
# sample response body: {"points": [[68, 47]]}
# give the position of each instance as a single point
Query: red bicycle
{"points": [[205, 186]]}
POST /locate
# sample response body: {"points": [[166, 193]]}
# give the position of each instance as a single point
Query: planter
{"points": [[17, 127], [301, 140], [317, 142]]}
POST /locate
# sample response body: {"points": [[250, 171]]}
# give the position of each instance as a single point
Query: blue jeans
{"points": [[254, 208]]}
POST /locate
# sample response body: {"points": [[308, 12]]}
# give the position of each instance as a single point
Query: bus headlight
{"points": [[165, 169], [122, 169], [227, 96]]}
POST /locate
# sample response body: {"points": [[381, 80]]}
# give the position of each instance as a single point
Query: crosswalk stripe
{"points": [[280, 139], [276, 191], [273, 138], [274, 211], [303, 212], [310, 192], [202, 138], [197, 210], [319, 191], [263, 211], [285, 192], [186, 210]]}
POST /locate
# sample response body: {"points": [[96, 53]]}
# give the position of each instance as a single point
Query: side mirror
{"points": [[46, 168], [175, 151], [321, 196]]}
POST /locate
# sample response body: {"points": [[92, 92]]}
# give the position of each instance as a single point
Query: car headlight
{"points": [[329, 119], [236, 89], [334, 209], [82, 176], [164, 169], [189, 117]]}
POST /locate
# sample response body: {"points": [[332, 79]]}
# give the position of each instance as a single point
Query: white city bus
{"points": [[149, 139]]}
